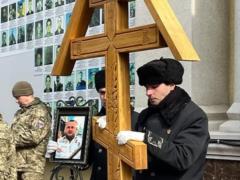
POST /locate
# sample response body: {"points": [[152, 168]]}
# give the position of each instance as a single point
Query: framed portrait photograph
{"points": [[72, 130]]}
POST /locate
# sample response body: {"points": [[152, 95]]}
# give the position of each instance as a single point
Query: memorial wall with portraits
{"points": [[31, 32]]}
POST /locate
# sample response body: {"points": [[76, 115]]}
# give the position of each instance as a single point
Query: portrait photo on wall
{"points": [[57, 49], [72, 129], [38, 57], [12, 36], [95, 20], [59, 25], [59, 3], [48, 55], [21, 34], [48, 83], [91, 77], [29, 33], [58, 85], [39, 29], [4, 14], [48, 27], [81, 79], [4, 38], [132, 8], [21, 8], [132, 73], [48, 4], [30, 8], [39, 5], [12, 11], [69, 82]]}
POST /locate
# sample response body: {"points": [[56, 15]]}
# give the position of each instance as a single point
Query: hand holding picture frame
{"points": [[72, 132]]}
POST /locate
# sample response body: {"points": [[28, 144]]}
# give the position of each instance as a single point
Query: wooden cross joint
{"points": [[130, 40]]}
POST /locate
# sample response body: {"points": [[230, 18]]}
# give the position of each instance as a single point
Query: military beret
{"points": [[163, 70], [22, 88], [100, 80]]}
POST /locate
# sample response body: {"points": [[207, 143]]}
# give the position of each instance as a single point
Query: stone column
{"points": [[233, 113]]}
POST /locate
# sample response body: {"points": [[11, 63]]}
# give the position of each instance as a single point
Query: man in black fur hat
{"points": [[173, 127]]}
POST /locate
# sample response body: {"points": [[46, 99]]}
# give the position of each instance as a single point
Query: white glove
{"points": [[52, 146], [102, 123], [124, 136], [47, 155]]}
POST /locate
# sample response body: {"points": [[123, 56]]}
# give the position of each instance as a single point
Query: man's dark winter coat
{"points": [[176, 137]]}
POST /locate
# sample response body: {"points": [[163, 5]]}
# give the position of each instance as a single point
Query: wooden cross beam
{"points": [[115, 44]]}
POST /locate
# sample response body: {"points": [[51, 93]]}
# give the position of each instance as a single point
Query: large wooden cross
{"points": [[115, 44]]}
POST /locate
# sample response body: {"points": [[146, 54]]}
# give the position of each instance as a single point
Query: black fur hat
{"points": [[100, 80], [163, 70]]}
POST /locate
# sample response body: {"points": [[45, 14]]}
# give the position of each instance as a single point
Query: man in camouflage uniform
{"points": [[7, 153], [31, 129]]}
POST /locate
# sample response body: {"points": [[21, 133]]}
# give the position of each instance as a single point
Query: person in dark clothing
{"points": [[98, 153], [173, 127]]}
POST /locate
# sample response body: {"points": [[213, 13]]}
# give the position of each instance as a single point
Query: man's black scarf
{"points": [[169, 107]]}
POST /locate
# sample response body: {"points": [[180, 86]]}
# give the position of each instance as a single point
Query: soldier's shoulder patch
{"points": [[40, 123]]}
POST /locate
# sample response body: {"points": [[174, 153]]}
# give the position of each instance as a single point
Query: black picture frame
{"points": [[75, 151]]}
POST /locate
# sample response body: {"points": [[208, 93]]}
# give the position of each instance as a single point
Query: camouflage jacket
{"points": [[31, 128], [7, 153]]}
